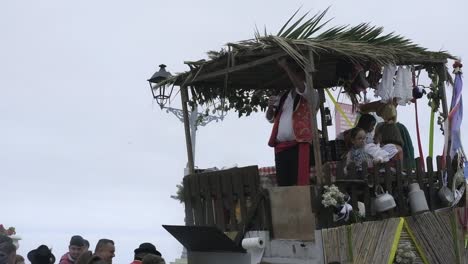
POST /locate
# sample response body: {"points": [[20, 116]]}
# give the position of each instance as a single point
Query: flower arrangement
{"points": [[332, 196], [405, 254], [8, 232]]}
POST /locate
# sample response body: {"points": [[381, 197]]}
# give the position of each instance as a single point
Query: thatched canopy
{"points": [[246, 72]]}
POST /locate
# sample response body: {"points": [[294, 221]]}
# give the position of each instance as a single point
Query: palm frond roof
{"points": [[250, 65]]}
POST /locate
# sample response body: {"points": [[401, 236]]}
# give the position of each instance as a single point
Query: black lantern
{"points": [[161, 75]]}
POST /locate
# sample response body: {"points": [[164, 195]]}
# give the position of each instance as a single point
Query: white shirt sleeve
{"points": [[315, 96]]}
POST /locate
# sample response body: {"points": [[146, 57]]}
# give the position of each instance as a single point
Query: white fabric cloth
{"points": [[381, 154], [400, 88], [385, 87], [403, 89], [285, 127], [370, 138]]}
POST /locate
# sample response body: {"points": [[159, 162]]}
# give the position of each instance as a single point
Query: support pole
{"points": [[322, 115], [310, 68], [188, 140], [441, 86]]}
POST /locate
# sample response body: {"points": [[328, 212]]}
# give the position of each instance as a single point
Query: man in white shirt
{"points": [[292, 131]]}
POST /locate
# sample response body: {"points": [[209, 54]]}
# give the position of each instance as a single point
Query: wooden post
{"points": [[441, 85], [310, 68], [188, 139], [322, 115]]}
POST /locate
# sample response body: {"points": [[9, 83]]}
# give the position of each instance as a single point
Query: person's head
{"points": [[105, 249], [366, 122], [41, 255], [84, 258], [145, 249], [153, 259], [358, 137], [76, 246], [19, 259], [96, 260], [7, 250], [86, 246]]}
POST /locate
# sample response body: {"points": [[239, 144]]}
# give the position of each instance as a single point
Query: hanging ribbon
{"points": [[416, 244], [431, 135], [418, 135], [396, 240], [345, 211], [421, 155], [337, 106]]}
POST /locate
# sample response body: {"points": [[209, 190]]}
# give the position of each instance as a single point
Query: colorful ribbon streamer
{"points": [[337, 106]]}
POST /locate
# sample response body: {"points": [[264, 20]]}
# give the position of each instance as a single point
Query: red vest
{"points": [[301, 122]]}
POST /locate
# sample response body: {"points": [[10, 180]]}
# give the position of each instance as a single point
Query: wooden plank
{"points": [[351, 171], [236, 68], [388, 185], [189, 219], [430, 179], [376, 175], [291, 216], [402, 207], [343, 244], [197, 204], [237, 179], [340, 167], [450, 172], [203, 210], [327, 170], [215, 182], [267, 210], [440, 170], [226, 187], [322, 117], [207, 200], [245, 224], [367, 200], [419, 173], [310, 68], [233, 199], [251, 180]]}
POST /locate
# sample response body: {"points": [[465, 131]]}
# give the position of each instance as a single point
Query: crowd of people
{"points": [[78, 253]]}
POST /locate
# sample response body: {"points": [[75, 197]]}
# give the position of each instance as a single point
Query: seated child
{"points": [[388, 136], [371, 153], [357, 153]]}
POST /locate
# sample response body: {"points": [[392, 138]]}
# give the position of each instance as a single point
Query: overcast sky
{"points": [[85, 150]]}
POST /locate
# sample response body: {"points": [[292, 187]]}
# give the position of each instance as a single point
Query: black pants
{"points": [[286, 163]]}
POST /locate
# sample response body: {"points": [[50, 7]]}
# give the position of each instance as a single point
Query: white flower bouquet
{"points": [[332, 197]]}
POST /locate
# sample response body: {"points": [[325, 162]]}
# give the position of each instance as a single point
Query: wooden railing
{"points": [[395, 179], [233, 200], [230, 199]]}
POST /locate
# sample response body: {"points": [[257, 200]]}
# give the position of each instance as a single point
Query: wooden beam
{"points": [[322, 115], [310, 68], [442, 79], [238, 67], [188, 139]]}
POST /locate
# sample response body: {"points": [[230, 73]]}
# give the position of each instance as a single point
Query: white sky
{"points": [[84, 150]]}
